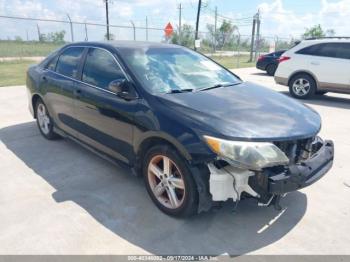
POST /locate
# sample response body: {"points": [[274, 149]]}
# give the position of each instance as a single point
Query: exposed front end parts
{"points": [[229, 182], [269, 184]]}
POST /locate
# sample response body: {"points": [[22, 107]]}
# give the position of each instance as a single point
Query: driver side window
{"points": [[100, 68]]}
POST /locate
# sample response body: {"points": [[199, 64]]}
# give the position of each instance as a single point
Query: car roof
{"points": [[125, 44], [326, 40]]}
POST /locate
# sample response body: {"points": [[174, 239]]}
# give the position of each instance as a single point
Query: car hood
{"points": [[244, 112]]}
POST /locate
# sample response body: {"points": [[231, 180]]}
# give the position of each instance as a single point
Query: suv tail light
{"points": [[283, 58], [261, 57]]}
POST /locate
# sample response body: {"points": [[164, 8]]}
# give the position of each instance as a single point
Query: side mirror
{"points": [[122, 88]]}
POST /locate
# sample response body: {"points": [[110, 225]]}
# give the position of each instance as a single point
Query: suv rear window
{"points": [[334, 50]]}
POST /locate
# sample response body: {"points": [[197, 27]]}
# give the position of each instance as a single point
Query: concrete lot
{"points": [[58, 198]]}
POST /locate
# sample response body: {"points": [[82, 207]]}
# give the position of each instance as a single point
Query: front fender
{"points": [[141, 138]]}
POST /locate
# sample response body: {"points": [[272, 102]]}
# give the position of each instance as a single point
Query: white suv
{"points": [[316, 66]]}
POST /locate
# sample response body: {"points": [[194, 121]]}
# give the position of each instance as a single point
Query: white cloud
{"points": [[123, 10], [278, 21]]}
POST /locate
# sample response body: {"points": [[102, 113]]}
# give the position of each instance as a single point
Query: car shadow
{"points": [[325, 100], [119, 202], [260, 74]]}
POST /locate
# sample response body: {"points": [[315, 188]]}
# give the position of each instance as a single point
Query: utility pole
{"points": [[253, 39], [197, 22], [107, 19], [71, 28], [27, 35], [257, 48], [215, 27], [180, 14], [146, 28]]}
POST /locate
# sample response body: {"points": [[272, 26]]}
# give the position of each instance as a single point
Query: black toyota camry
{"points": [[192, 129]]}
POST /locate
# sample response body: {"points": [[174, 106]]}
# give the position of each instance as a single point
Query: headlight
{"points": [[250, 155]]}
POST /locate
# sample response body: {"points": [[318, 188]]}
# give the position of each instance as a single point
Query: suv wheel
{"points": [[44, 121], [271, 69], [169, 181], [302, 86]]}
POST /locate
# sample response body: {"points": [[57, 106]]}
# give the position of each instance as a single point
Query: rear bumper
{"points": [[281, 80], [30, 105], [303, 174], [261, 66]]}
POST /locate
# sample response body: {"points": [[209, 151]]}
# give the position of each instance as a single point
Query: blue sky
{"points": [[282, 18]]}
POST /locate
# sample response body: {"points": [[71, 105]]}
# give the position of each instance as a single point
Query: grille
{"points": [[297, 150]]}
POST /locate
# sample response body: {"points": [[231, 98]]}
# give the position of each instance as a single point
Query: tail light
{"points": [[283, 58], [261, 57]]}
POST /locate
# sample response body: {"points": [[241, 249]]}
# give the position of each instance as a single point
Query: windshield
{"points": [[169, 69]]}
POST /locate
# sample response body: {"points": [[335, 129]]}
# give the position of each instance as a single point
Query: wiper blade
{"points": [[176, 91], [217, 86]]}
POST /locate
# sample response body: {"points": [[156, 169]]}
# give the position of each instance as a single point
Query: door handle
{"points": [[77, 93], [315, 63]]}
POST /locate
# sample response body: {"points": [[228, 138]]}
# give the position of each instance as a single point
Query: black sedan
{"points": [[193, 130], [269, 62]]}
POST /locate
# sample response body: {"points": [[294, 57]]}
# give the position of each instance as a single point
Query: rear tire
{"points": [[169, 181], [271, 69], [302, 86], [44, 121]]}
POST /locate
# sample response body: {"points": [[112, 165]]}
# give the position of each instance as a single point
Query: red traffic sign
{"points": [[169, 30]]}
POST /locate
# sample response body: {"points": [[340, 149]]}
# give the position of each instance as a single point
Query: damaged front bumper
{"points": [[229, 182], [302, 174]]}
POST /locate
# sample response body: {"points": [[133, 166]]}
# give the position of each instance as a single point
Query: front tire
{"points": [[302, 86], [169, 181], [44, 121]]}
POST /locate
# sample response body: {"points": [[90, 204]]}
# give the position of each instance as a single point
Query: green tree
{"points": [[56, 37], [330, 32], [111, 36], [42, 38], [18, 38], [225, 33], [224, 36], [317, 31], [187, 36]]}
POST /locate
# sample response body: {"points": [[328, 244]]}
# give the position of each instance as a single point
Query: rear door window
{"points": [[310, 50], [100, 68], [343, 50], [333, 50], [68, 62], [327, 50]]}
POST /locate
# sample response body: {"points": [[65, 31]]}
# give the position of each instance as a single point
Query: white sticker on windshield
{"points": [[210, 65]]}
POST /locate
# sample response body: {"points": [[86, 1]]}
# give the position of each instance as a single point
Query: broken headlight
{"points": [[248, 155]]}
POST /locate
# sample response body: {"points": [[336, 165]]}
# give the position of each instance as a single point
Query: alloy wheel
{"points": [[166, 181], [43, 119], [301, 87]]}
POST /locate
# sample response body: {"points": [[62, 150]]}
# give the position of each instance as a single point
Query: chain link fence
{"points": [[35, 38]]}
